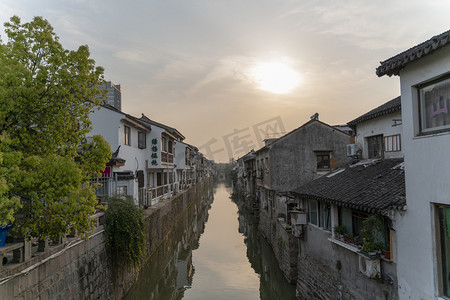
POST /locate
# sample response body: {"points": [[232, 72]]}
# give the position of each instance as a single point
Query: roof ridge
{"points": [[396, 63]]}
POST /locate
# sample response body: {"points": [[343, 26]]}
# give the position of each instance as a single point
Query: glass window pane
{"points": [[313, 212], [434, 103], [142, 140], [323, 161]]}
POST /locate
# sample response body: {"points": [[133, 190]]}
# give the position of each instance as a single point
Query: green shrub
{"points": [[124, 228]]}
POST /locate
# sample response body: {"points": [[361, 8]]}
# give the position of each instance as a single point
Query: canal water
{"points": [[214, 252]]}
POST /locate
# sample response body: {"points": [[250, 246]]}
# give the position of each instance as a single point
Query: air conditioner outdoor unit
{"points": [[298, 217], [351, 150], [369, 267]]}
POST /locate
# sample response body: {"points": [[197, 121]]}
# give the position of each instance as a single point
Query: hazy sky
{"points": [[201, 65]]}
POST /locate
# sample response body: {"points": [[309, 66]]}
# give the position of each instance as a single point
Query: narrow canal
{"points": [[214, 252]]}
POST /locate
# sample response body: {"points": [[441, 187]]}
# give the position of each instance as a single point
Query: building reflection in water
{"points": [[273, 284], [169, 271], [222, 271]]}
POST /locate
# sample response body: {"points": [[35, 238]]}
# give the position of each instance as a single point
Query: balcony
{"points": [[166, 157]]}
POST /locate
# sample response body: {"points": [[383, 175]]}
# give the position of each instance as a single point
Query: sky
{"points": [[228, 74]]}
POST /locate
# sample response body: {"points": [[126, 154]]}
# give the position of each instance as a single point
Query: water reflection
{"points": [[273, 284], [169, 271], [224, 250], [222, 268]]}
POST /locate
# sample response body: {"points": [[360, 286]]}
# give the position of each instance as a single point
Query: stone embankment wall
{"points": [[284, 245], [78, 271], [82, 269]]}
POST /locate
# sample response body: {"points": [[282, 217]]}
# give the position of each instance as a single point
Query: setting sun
{"points": [[275, 77]]}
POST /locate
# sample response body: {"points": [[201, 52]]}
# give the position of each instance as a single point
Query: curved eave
{"points": [[395, 64]]}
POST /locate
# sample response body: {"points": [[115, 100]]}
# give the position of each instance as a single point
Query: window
{"points": [[170, 146], [323, 161], [392, 143], [358, 219], [375, 146], [313, 212], [127, 135], [187, 157], [164, 144], [142, 140], [443, 238], [434, 104], [325, 215]]}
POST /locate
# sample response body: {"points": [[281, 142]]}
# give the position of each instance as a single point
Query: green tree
{"points": [[9, 167], [124, 230], [46, 96]]}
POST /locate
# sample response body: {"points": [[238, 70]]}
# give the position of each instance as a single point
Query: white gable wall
{"points": [[427, 182], [106, 123], [381, 125], [180, 155]]}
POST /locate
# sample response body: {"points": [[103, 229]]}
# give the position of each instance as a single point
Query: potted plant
{"points": [[373, 226], [339, 232], [348, 238], [369, 247]]}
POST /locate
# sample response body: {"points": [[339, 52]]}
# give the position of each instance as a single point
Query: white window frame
{"points": [[127, 135], [392, 143], [436, 107]]}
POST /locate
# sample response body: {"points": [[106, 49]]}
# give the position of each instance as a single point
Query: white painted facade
{"points": [[161, 178], [427, 184], [384, 125], [111, 125]]}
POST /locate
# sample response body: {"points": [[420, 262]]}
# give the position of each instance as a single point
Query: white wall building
{"points": [[378, 132], [424, 230], [150, 159], [128, 139]]}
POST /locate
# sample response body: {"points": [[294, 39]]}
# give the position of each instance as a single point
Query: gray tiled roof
{"points": [[139, 121], [373, 188], [384, 109], [172, 130], [394, 65]]}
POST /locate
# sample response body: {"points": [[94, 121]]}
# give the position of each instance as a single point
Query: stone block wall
{"points": [[82, 269], [79, 271], [284, 245], [330, 271]]}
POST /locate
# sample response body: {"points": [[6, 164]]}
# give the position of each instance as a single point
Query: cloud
{"points": [[135, 56], [233, 68], [375, 25], [92, 4], [75, 30]]}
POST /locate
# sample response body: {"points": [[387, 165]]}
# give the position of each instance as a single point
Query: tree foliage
{"points": [[9, 167], [124, 229], [46, 96]]}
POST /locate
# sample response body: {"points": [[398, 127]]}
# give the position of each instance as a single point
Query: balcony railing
{"points": [[155, 194], [167, 157]]}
